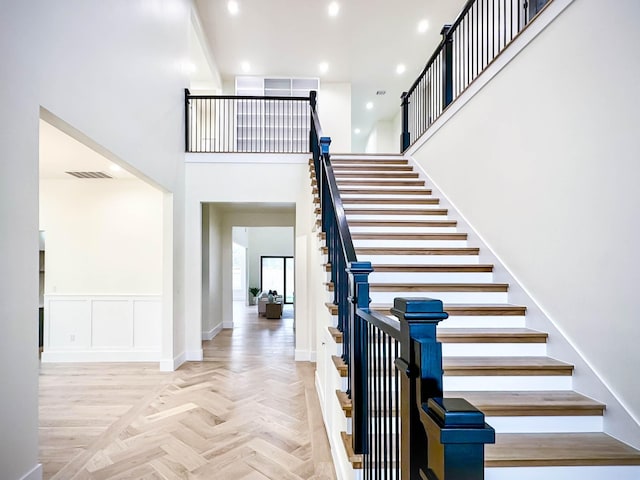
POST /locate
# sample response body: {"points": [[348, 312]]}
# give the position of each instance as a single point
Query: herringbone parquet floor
{"points": [[247, 412]]}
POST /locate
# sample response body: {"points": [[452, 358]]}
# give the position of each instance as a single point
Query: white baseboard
{"points": [[34, 474], [305, 356], [194, 355], [206, 336], [66, 356], [227, 324], [171, 365]]}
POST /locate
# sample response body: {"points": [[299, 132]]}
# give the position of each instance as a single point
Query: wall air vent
{"points": [[381, 92], [89, 174]]}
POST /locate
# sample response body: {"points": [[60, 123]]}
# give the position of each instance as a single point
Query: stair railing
{"points": [[349, 277], [482, 30], [401, 425]]}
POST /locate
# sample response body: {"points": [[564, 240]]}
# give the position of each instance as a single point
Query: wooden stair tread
{"points": [[433, 287], [534, 403], [460, 309], [368, 161], [385, 191], [408, 236], [491, 335], [418, 251], [345, 403], [355, 459], [374, 168], [511, 366], [340, 175], [390, 201], [379, 183], [402, 223], [435, 268], [340, 365], [558, 449], [336, 334], [447, 268], [393, 211]]}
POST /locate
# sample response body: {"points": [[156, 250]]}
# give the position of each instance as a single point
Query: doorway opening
{"points": [[276, 273]]}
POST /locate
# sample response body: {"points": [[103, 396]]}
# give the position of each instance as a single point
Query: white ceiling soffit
{"points": [[362, 45], [60, 153]]}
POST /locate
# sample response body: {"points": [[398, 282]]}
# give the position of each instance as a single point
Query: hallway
{"points": [[247, 412]]}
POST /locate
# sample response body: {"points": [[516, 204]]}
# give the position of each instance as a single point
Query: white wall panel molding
{"points": [[102, 328]]}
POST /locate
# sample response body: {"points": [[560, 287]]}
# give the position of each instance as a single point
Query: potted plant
{"points": [[253, 293]]}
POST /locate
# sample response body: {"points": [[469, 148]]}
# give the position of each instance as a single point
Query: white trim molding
{"points": [[209, 335], [34, 474]]}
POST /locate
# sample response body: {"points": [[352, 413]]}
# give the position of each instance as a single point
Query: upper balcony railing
{"points": [[249, 124], [481, 32]]}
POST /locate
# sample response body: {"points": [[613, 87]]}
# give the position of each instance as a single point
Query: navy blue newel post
{"points": [[405, 137], [358, 298], [456, 434], [420, 366], [447, 71]]}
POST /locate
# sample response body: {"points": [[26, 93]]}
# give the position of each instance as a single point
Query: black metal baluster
{"points": [[397, 416]]}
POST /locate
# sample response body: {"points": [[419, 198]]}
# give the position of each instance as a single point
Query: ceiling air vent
{"points": [[89, 174]]}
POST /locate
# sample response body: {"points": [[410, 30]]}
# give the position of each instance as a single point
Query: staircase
{"points": [[544, 429]]}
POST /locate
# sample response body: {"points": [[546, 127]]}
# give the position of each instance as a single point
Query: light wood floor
{"points": [[247, 412]]}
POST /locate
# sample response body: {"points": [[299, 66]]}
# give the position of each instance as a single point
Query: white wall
{"points": [[103, 236], [382, 138], [278, 183], [267, 241], [111, 70], [19, 241], [334, 110], [211, 271], [543, 162]]}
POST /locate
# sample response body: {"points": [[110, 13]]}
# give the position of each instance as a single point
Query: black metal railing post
{"points": [[358, 345], [405, 137], [420, 366], [314, 146], [447, 67], [187, 115]]}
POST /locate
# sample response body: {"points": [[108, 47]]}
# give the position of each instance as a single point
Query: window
{"points": [[277, 273]]}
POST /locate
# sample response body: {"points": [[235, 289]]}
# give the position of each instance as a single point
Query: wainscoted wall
{"points": [[102, 328]]}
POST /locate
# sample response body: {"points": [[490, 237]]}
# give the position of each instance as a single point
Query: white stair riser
{"points": [[500, 383], [480, 321], [526, 424], [419, 259], [409, 243], [430, 277], [494, 349], [563, 473], [547, 424], [383, 196], [393, 229], [446, 297]]}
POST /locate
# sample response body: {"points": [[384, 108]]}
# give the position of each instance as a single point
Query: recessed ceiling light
{"points": [[334, 8], [423, 26], [356, 131], [233, 7], [245, 67], [323, 67], [115, 168], [400, 69], [369, 105]]}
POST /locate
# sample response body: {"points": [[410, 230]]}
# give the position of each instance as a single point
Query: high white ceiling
{"points": [[362, 45]]}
